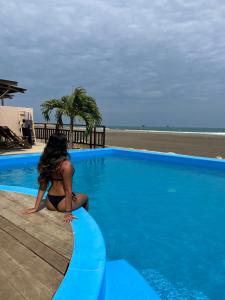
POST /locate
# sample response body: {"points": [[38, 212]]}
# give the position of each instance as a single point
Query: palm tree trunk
{"points": [[71, 133]]}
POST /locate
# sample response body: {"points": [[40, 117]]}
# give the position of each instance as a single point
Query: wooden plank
{"points": [[53, 258], [7, 291], [26, 272], [46, 226], [34, 249]]}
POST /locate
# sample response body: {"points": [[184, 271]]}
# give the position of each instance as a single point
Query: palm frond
{"points": [[48, 106], [78, 104], [91, 108]]}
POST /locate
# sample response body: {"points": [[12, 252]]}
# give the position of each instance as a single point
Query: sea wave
{"points": [[165, 131]]}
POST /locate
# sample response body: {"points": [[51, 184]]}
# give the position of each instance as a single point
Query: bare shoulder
{"points": [[67, 166]]}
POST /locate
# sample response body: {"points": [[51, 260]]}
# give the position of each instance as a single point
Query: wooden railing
{"points": [[95, 139]]}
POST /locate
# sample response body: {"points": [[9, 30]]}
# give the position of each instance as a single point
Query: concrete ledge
{"points": [[34, 157], [85, 274], [171, 157], [145, 154], [151, 155]]}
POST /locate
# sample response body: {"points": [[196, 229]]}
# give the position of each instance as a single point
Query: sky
{"points": [[153, 63]]}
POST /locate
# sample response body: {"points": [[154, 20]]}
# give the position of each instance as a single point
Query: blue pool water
{"points": [[168, 220]]}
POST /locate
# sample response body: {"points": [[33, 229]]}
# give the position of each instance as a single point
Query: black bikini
{"points": [[55, 199]]}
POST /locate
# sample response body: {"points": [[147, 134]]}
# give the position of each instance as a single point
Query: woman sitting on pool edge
{"points": [[55, 167]]}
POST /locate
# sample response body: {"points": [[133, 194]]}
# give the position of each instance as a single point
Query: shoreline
{"points": [[166, 131]]}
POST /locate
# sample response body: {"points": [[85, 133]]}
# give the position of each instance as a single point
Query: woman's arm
{"points": [[40, 195], [67, 173]]}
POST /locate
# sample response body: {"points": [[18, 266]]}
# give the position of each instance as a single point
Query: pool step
{"points": [[123, 282]]}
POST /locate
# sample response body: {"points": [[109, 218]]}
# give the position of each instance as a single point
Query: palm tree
{"points": [[78, 104]]}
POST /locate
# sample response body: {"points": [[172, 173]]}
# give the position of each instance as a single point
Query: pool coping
{"points": [[171, 157], [162, 156]]}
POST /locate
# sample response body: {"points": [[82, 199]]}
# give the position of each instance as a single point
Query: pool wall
{"points": [[89, 276], [172, 158], [141, 154]]}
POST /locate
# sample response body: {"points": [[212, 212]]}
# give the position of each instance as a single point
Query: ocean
{"points": [[199, 130]]}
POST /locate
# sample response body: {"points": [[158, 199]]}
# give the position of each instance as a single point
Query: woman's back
{"points": [[57, 178]]}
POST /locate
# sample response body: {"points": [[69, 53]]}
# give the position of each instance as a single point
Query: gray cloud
{"points": [[146, 62]]}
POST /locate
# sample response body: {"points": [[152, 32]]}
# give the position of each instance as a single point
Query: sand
{"points": [[181, 143], [207, 145]]}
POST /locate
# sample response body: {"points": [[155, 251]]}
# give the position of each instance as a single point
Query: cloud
{"points": [[159, 53]]}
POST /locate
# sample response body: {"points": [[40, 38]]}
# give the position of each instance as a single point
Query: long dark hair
{"points": [[54, 154]]}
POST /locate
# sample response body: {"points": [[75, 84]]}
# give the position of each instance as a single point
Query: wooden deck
{"points": [[34, 249]]}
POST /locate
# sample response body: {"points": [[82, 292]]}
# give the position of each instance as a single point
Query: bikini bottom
{"points": [[56, 199]]}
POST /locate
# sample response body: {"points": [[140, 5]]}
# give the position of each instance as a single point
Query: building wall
{"points": [[13, 117]]}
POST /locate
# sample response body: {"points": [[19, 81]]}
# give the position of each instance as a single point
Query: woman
{"points": [[55, 167]]}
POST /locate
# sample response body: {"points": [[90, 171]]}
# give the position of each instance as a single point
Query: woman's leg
{"points": [[78, 201]]}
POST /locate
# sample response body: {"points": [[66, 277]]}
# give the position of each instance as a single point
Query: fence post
{"points": [[57, 128], [45, 132], [91, 139], [95, 137], [103, 137]]}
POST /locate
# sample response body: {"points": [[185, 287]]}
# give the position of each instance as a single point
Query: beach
{"points": [[197, 144]]}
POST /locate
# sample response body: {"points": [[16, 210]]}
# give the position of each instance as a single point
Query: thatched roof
{"points": [[8, 88]]}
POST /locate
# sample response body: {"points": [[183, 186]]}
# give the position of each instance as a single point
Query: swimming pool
{"points": [[165, 217]]}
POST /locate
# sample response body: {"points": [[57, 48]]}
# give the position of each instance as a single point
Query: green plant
{"points": [[77, 105]]}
